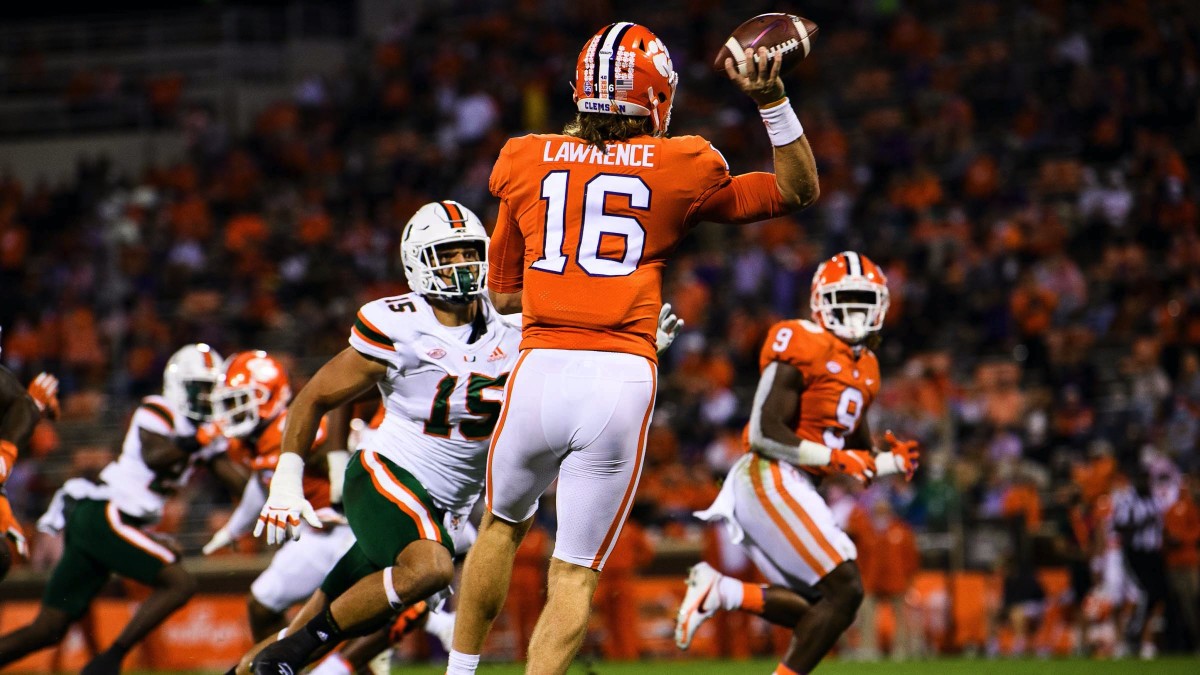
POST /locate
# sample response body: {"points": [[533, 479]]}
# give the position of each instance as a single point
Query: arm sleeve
{"points": [[368, 337], [792, 342], [154, 418], [506, 255], [382, 331], [746, 198], [246, 513], [498, 182]]}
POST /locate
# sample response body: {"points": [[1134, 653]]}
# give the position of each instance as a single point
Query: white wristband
{"points": [[812, 454], [887, 463], [289, 473], [783, 127]]}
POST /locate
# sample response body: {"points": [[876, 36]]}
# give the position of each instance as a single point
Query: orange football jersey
{"points": [[264, 455], [838, 388], [585, 233]]}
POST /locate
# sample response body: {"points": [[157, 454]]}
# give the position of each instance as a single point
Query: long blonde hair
{"points": [[599, 129]]}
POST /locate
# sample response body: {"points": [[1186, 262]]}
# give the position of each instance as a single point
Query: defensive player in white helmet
{"points": [[251, 410], [105, 524], [441, 356]]}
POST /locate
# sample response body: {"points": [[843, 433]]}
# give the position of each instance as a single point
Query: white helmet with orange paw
{"points": [[849, 296], [255, 390], [624, 69]]}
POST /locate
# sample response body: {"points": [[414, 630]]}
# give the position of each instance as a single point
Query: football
{"points": [[780, 33]]}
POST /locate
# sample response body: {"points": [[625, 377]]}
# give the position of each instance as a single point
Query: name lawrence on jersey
{"points": [[623, 154]]}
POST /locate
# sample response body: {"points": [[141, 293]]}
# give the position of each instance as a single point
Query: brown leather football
{"points": [[780, 33]]}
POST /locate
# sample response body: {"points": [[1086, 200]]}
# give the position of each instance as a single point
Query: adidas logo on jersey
{"points": [[497, 354]]}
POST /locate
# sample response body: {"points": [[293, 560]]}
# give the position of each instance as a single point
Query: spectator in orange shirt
{"points": [[1021, 501], [890, 568], [1032, 310], [615, 596], [1181, 538]]}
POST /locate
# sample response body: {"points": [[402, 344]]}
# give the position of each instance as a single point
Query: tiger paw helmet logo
{"points": [[661, 58]]}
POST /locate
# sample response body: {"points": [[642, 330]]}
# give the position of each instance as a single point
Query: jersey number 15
{"points": [[487, 411]]}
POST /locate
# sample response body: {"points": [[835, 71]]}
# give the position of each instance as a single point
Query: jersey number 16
{"points": [[595, 224]]}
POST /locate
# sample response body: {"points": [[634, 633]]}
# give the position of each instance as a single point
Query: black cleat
{"points": [[105, 663], [286, 657]]}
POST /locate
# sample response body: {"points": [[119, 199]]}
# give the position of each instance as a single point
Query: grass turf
{"points": [[1163, 666]]}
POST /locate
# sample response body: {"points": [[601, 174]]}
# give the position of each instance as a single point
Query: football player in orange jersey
{"points": [[808, 419], [20, 410], [250, 407], [587, 221]]}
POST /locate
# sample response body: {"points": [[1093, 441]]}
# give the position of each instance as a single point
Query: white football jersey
{"points": [[133, 486], [442, 394]]}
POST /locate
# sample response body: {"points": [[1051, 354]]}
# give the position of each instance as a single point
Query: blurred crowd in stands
{"points": [[1024, 171]]}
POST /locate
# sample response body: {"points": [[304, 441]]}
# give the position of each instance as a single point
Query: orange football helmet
{"points": [[849, 296], [255, 390], [624, 69]]}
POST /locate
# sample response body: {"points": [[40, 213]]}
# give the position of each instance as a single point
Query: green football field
{"points": [[1163, 666]]}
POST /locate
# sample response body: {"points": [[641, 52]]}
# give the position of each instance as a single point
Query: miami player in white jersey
{"points": [[105, 524], [440, 357]]}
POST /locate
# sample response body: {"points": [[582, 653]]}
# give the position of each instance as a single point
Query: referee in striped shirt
{"points": [[1139, 521]]}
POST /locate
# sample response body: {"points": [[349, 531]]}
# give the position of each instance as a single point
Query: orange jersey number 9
{"points": [[849, 409], [783, 336], [596, 224]]}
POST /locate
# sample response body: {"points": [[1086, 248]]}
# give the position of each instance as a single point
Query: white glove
{"points": [[337, 459], [286, 505], [669, 326], [220, 540]]}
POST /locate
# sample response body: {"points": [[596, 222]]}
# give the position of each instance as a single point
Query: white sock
{"points": [[462, 664], [730, 591], [333, 664]]}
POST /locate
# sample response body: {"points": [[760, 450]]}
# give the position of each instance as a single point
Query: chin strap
{"points": [[479, 325]]}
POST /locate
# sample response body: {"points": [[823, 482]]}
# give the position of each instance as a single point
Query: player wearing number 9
{"points": [[808, 420], [587, 221]]}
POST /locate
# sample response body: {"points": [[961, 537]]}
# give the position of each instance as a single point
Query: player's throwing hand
{"points": [[762, 84]]}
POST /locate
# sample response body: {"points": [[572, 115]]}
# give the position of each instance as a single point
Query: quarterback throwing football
{"points": [[587, 221]]}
